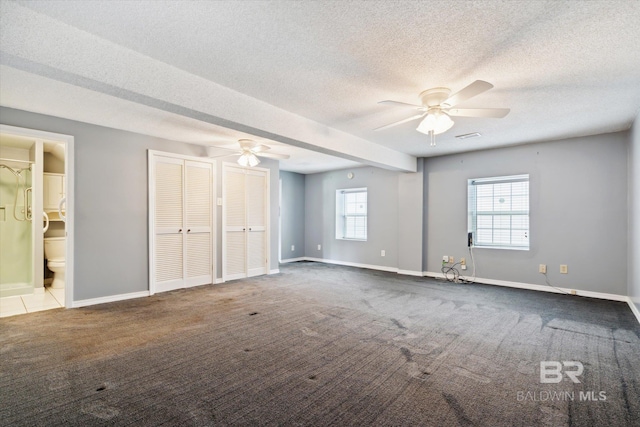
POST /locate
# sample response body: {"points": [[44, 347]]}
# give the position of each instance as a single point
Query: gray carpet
{"points": [[323, 345]]}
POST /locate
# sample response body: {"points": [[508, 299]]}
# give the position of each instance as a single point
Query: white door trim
{"points": [[69, 170]]}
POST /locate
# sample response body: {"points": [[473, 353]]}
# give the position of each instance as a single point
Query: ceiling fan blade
{"points": [[259, 148], [274, 156], [475, 88], [213, 151], [400, 104], [417, 116], [496, 113]]}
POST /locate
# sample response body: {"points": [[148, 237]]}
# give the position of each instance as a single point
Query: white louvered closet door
{"points": [[198, 217], [245, 222], [256, 187], [181, 235], [235, 265], [169, 217]]}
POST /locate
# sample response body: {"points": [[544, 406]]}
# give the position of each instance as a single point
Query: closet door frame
{"points": [[225, 166], [151, 154]]}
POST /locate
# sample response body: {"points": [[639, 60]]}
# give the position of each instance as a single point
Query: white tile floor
{"points": [[50, 298]]}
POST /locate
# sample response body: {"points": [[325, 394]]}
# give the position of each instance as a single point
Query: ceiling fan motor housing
{"points": [[434, 97]]}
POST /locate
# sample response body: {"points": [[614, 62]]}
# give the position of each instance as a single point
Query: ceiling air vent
{"points": [[469, 135]]}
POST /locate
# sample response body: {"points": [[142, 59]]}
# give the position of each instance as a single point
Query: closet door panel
{"points": [[236, 253], [256, 252], [198, 266], [169, 257], [169, 215], [198, 213], [256, 184], [169, 201], [256, 199], [235, 223]]}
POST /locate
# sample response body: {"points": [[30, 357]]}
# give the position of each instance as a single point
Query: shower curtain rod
{"points": [[14, 160]]}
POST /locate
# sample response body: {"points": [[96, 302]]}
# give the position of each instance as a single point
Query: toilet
{"points": [[54, 248]]}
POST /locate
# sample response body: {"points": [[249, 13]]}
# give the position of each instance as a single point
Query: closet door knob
{"points": [[180, 230], [189, 231]]}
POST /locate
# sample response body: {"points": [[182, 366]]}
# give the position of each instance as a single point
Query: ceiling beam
{"points": [[64, 53]]}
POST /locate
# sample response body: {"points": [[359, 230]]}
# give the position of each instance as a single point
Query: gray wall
{"points": [[411, 220], [634, 214], [320, 211], [292, 214], [578, 212], [111, 213]]}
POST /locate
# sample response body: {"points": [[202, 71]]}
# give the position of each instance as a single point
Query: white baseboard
{"points": [[275, 271], [218, 280], [285, 261], [634, 309], [111, 298], [534, 287], [410, 273], [353, 264]]}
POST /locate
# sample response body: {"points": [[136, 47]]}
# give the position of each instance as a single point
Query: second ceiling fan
{"points": [[438, 107], [249, 151]]}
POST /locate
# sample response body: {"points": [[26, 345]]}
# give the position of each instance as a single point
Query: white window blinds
{"points": [[351, 214], [498, 211]]}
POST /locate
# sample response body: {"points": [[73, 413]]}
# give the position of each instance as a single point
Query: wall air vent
{"points": [[469, 135]]}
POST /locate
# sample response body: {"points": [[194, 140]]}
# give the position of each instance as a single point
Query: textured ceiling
{"points": [[565, 68]]}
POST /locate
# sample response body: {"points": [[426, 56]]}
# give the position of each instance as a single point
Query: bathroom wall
{"points": [[15, 236]]}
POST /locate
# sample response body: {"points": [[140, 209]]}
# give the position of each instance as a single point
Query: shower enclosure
{"points": [[16, 240]]}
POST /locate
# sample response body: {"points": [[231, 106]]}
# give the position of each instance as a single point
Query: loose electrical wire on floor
{"points": [[546, 280]]}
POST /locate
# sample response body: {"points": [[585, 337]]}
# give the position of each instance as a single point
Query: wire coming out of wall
{"points": [[452, 274]]}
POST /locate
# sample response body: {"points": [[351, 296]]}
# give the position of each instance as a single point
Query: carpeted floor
{"points": [[324, 345]]}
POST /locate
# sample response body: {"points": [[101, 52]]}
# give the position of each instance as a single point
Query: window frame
{"points": [[342, 215], [473, 212]]}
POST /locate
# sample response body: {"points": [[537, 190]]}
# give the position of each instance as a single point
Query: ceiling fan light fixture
{"points": [[243, 160], [247, 158], [435, 122], [253, 160]]}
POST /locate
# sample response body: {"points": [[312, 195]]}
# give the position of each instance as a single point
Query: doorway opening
{"points": [[36, 220]]}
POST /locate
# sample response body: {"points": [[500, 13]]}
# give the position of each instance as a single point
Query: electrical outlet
{"points": [[564, 269], [574, 292], [293, 248], [463, 262], [383, 253], [542, 269], [451, 259], [445, 258], [463, 266], [319, 247]]}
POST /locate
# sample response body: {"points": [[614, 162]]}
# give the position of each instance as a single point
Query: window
{"points": [[499, 212], [351, 214]]}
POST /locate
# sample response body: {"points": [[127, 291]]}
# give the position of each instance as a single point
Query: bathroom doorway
{"points": [[36, 217]]}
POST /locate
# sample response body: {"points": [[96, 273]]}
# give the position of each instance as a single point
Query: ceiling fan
{"points": [[249, 151], [437, 108]]}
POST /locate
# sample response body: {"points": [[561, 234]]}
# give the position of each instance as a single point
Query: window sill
{"points": [[511, 248], [350, 239]]}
